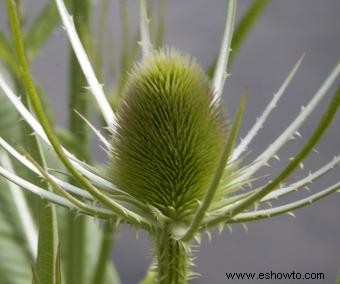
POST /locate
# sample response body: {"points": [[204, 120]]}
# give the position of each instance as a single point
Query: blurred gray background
{"points": [[311, 241]]}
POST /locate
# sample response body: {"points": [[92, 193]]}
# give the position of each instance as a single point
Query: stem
{"points": [[104, 254], [173, 259], [48, 231], [78, 98]]}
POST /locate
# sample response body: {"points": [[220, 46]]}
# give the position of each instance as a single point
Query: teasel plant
{"points": [[174, 170]]}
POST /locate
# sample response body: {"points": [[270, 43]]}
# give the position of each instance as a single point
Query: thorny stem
{"points": [[47, 216], [172, 259]]}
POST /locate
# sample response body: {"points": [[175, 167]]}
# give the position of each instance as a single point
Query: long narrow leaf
{"points": [[292, 165]]}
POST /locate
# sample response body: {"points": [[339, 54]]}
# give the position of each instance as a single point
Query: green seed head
{"points": [[169, 134]]}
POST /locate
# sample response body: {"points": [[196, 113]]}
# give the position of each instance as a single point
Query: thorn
{"points": [[198, 239], [208, 235], [306, 188], [301, 165], [298, 134], [48, 205], [220, 228], [276, 157], [302, 108], [77, 215], [269, 204], [291, 214], [230, 228], [137, 235], [315, 150], [245, 227]]}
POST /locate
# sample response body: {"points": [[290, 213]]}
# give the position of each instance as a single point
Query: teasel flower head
{"points": [[175, 168], [169, 134]]}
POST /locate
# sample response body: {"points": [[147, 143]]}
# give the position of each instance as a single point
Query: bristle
{"points": [[169, 134]]}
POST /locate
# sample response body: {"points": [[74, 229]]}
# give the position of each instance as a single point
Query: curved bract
{"points": [[175, 167], [169, 134]]}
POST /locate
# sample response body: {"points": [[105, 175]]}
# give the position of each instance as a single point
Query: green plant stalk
{"points": [[48, 235], [105, 253], [172, 259], [78, 100]]}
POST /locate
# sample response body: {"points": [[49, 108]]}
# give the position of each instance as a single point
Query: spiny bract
{"points": [[169, 134]]}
